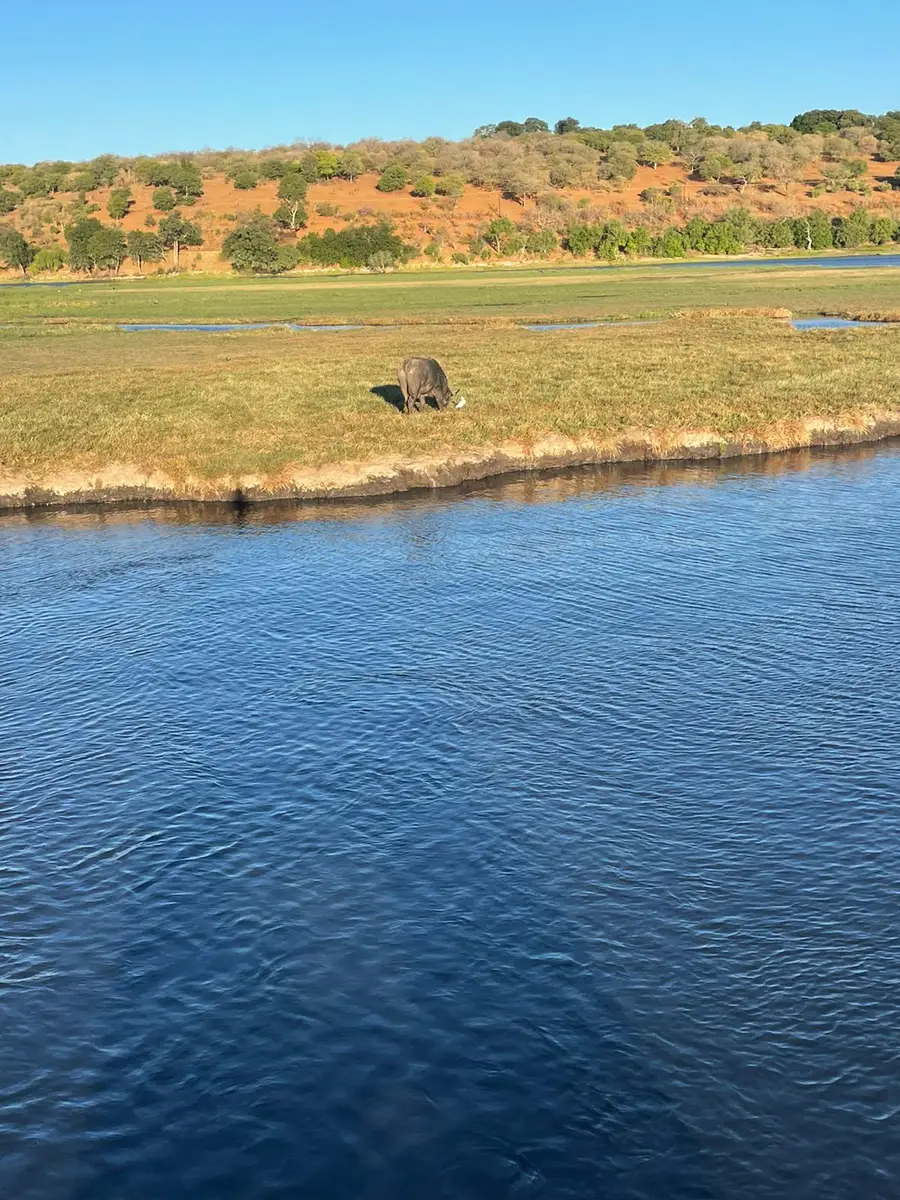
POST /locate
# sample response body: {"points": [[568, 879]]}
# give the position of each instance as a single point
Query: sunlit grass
{"points": [[264, 404]]}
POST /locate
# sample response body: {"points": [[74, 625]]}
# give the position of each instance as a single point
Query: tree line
{"points": [[521, 158]]}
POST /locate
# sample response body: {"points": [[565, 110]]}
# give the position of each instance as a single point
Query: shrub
{"points": [[451, 184], [541, 241], [425, 185], [459, 257], [354, 246], [52, 258], [327, 210], [381, 261], [252, 247], [8, 201], [163, 199], [245, 180], [393, 178]]}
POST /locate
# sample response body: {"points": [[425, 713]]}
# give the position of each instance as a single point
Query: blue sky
{"points": [[98, 76]]}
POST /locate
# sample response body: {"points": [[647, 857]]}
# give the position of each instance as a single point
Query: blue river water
{"points": [[542, 840]]}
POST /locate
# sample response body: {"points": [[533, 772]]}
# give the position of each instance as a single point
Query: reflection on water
{"points": [[522, 487], [538, 839]]}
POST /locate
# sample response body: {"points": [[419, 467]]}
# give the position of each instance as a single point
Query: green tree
{"points": [[187, 181], [252, 247], [175, 232], [51, 258], [813, 231], [292, 194], [497, 231], [107, 248], [853, 230], [119, 203], [163, 199], [351, 165], [453, 183], [15, 252], [393, 178], [535, 125], [512, 128], [670, 244], [714, 166], [143, 247], [274, 168], [566, 125], [620, 162], [327, 164], [884, 230], [354, 247], [245, 180], [79, 236], [9, 201], [425, 185], [541, 242], [652, 153]]}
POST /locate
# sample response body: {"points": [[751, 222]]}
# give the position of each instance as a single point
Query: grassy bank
{"points": [[517, 294], [270, 405]]}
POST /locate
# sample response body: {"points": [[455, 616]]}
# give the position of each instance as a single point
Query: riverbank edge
{"points": [[120, 483]]}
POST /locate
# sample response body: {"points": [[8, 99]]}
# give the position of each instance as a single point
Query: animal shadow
{"points": [[390, 394]]}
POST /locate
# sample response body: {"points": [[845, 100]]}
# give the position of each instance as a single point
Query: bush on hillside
{"points": [[355, 246], [393, 178]]}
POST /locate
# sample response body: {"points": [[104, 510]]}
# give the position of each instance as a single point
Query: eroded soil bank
{"points": [[380, 477]]}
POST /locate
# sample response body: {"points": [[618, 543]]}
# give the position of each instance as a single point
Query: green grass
{"points": [[264, 404], [498, 295]]}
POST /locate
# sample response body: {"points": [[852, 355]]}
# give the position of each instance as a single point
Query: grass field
{"points": [[578, 293], [271, 403]]}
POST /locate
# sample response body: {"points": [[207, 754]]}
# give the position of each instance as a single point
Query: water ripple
{"points": [[460, 849]]}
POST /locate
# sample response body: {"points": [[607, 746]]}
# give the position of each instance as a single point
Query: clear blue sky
{"points": [[95, 76]]}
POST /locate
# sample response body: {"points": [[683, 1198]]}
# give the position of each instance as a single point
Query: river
{"points": [[542, 840]]}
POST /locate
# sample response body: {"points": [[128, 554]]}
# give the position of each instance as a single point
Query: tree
{"points": [[292, 193], [651, 153], [107, 248], [8, 201], [497, 231], [252, 246], [119, 203], [541, 242], [327, 163], [813, 232], [453, 183], [51, 258], [79, 236], [393, 178], [143, 247], [535, 125], [186, 179], [512, 128], [425, 186], [714, 166], [15, 252], [853, 230], [245, 180], [175, 232], [162, 199], [620, 163], [351, 165], [566, 125], [274, 168], [884, 230]]}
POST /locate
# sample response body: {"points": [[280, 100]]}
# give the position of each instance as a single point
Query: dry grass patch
{"points": [[228, 406]]}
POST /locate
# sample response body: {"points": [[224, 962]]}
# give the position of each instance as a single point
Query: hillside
{"points": [[543, 182]]}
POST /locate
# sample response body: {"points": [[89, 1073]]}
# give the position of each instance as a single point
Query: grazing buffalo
{"points": [[421, 379]]}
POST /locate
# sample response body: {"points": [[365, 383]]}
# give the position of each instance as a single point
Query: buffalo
{"points": [[422, 379]]}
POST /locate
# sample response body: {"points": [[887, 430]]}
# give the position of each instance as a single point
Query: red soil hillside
{"points": [[453, 223]]}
